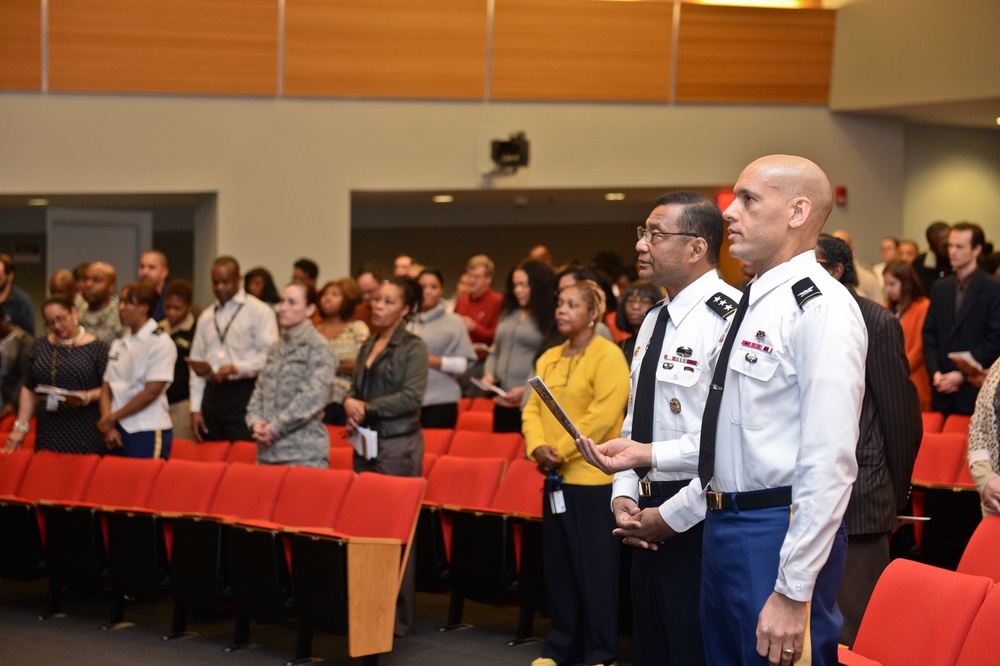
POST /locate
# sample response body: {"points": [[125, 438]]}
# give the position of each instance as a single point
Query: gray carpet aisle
{"points": [[77, 638]]}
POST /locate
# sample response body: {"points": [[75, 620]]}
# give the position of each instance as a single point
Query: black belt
{"points": [[666, 489], [755, 499]]}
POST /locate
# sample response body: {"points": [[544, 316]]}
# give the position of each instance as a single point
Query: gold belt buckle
{"points": [[645, 488], [714, 500]]}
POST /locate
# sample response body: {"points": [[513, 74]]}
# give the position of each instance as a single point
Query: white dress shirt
{"points": [[790, 409], [681, 388], [238, 333], [134, 360]]}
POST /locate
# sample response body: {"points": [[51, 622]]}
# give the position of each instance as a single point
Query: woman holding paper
{"points": [[389, 383], [285, 412], [525, 316], [589, 378], [65, 373]]}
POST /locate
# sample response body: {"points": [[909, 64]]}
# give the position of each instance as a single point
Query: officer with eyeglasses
{"points": [[659, 509]]}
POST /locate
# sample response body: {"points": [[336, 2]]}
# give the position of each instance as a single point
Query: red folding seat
{"points": [[933, 421], [199, 565], [918, 614], [347, 580], [482, 404], [457, 482], [957, 423], [186, 449], [260, 555], [488, 548], [242, 451], [953, 510], [341, 457], [937, 464], [437, 440], [464, 405], [981, 554], [470, 444], [140, 541], [477, 420], [13, 467], [982, 643], [428, 464], [50, 476], [75, 532], [338, 435]]}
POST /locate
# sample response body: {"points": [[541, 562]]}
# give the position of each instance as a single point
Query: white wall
{"points": [[952, 175], [283, 169]]}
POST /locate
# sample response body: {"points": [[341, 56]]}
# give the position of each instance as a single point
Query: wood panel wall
{"points": [[386, 48], [740, 54], [544, 50], [582, 50], [226, 47], [20, 45]]}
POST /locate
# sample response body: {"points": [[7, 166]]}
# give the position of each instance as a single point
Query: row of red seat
{"points": [[919, 614], [938, 422], [86, 521]]}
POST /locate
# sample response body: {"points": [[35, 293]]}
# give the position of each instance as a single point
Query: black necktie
{"points": [[645, 390], [710, 418]]}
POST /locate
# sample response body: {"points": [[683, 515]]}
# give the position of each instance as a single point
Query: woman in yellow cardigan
{"points": [[589, 377]]}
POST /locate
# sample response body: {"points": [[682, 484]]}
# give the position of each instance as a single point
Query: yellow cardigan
{"points": [[592, 388]]}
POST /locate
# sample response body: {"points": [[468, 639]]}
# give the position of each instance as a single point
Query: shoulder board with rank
{"points": [[721, 305], [159, 330], [804, 290]]}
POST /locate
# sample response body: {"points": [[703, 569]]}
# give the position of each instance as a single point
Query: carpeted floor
{"points": [[77, 638]]}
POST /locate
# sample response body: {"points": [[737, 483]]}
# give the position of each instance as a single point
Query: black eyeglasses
{"points": [[654, 236]]}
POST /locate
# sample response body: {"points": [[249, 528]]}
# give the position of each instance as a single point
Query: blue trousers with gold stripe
{"points": [[146, 443], [739, 569]]}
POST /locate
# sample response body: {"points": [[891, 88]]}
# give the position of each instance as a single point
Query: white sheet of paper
{"points": [[488, 387], [365, 442]]}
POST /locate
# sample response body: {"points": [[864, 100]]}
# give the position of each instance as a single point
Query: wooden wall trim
{"points": [[20, 45], [589, 50], [540, 50], [221, 47], [386, 48], [739, 54]]}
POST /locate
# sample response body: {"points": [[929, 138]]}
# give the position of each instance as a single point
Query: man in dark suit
{"points": [[890, 432], [964, 315]]}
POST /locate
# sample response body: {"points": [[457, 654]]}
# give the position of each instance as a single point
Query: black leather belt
{"points": [[755, 499], [665, 489]]}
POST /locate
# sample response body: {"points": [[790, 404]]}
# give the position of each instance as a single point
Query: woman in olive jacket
{"points": [[389, 382]]}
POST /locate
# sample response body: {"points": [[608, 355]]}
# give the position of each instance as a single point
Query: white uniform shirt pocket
{"points": [[679, 374], [754, 370]]}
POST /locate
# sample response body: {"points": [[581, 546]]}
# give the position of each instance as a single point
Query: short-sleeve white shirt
{"points": [[134, 360]]}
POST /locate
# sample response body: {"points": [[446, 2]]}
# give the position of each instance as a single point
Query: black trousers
{"points": [[443, 415], [224, 408], [581, 577], [666, 592], [506, 419]]}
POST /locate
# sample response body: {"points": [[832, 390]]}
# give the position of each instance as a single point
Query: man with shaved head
{"points": [[100, 317], [779, 431], [778, 441]]}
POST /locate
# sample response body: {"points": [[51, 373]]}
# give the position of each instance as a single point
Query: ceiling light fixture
{"points": [[443, 198], [38, 202], [614, 196]]}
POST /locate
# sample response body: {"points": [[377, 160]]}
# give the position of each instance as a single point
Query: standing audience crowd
{"points": [[776, 423]]}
